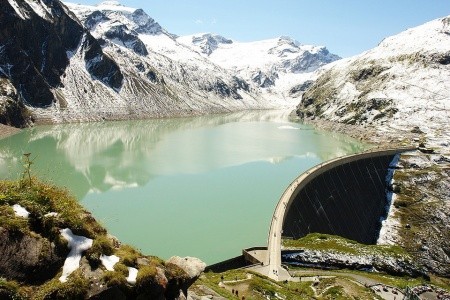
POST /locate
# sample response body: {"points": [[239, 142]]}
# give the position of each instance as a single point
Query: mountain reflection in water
{"points": [[190, 158]]}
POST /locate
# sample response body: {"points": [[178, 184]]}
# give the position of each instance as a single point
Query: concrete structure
{"points": [[355, 183]]}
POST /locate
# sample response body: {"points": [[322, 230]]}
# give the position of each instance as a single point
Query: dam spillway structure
{"points": [[346, 196]]}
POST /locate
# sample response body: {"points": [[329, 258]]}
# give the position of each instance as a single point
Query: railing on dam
{"points": [[345, 196]]}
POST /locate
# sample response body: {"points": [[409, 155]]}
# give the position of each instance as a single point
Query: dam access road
{"points": [[271, 260]]}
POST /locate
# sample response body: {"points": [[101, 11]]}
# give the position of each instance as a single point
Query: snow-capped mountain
{"points": [[402, 84], [69, 62], [278, 64], [73, 62]]}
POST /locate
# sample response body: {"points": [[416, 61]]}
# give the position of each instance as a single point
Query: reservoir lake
{"points": [[201, 186]]}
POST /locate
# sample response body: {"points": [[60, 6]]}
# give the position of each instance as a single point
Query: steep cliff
{"points": [[35, 37]]}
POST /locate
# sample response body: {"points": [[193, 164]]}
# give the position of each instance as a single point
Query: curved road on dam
{"points": [[272, 263]]}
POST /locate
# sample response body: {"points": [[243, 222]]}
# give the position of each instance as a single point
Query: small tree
{"points": [[26, 174]]}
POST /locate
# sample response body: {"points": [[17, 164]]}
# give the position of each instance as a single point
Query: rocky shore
{"points": [[6, 131]]}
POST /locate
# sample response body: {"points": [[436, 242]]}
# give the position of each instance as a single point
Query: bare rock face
{"points": [[191, 265], [34, 50], [12, 111], [332, 260], [28, 257]]}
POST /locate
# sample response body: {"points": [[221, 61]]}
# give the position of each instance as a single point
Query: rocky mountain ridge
{"points": [[34, 40], [399, 85]]}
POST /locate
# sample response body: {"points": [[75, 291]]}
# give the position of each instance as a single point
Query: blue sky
{"points": [[346, 27]]}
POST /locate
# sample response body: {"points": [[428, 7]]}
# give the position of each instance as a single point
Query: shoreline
{"points": [[368, 134], [6, 131]]}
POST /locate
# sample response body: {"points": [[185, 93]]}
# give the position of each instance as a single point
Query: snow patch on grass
{"points": [[109, 261], [77, 245], [20, 211], [132, 275]]}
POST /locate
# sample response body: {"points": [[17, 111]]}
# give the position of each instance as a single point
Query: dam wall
{"points": [[346, 196]]}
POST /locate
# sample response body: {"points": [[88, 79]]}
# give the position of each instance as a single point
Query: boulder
{"points": [[28, 257], [191, 265]]}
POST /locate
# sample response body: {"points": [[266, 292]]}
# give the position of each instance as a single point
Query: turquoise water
{"points": [[203, 186]]}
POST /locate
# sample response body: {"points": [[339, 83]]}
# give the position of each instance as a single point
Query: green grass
{"points": [[10, 289], [259, 285], [75, 288], [116, 277], [325, 242], [9, 221], [128, 255], [335, 292], [41, 198], [102, 244]]}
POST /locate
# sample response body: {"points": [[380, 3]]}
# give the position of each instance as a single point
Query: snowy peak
{"points": [[276, 65], [207, 43], [281, 54], [286, 46], [433, 36], [111, 3], [135, 19], [144, 23], [118, 24]]}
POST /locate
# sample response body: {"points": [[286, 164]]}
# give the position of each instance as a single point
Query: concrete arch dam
{"points": [[345, 197]]}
